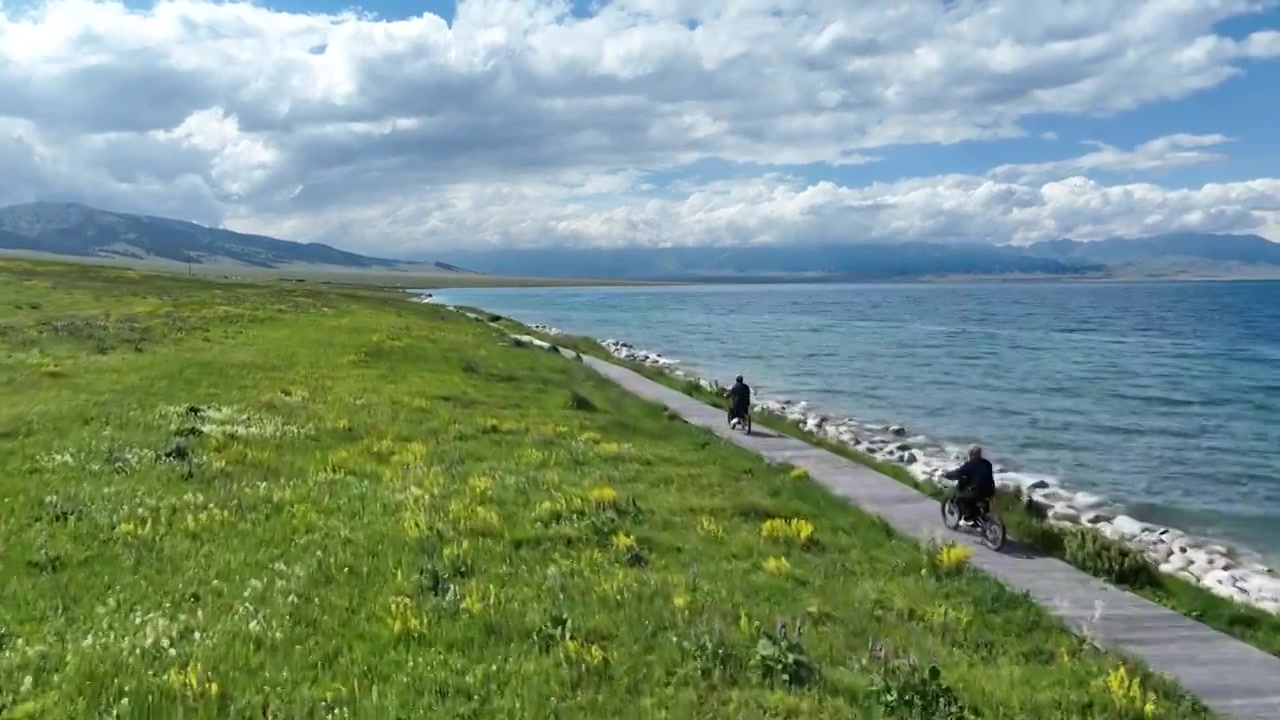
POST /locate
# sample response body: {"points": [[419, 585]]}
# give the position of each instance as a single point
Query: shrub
{"points": [[911, 692], [780, 657], [711, 654], [1108, 559]]}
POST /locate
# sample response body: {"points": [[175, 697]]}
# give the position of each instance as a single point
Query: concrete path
{"points": [[1235, 679]]}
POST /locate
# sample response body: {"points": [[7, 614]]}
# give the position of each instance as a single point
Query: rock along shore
{"points": [[1202, 562]]}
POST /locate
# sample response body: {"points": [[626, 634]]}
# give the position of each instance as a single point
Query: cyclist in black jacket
{"points": [[975, 481], [739, 399]]}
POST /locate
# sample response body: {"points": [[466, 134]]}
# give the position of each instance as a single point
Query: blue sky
{"points": [[512, 126]]}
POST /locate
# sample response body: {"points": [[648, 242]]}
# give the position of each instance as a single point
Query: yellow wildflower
{"points": [[476, 599], [135, 529], [952, 558], [586, 653], [1128, 694], [480, 485], [777, 565], [797, 530], [801, 530], [603, 495], [411, 454], [193, 681], [709, 527], [403, 617], [532, 456], [624, 541], [610, 448]]}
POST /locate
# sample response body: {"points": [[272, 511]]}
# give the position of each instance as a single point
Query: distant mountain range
{"points": [[1191, 248], [766, 263], [1176, 255], [80, 231], [69, 229]]}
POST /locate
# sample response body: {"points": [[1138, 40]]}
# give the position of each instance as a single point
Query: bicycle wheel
{"points": [[993, 533], [950, 513]]}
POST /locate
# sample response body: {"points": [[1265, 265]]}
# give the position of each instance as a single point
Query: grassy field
{"points": [[284, 501], [1090, 551]]}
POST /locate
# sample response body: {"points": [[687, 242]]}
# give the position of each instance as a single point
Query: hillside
{"points": [[1172, 256], [341, 512], [77, 231], [70, 229], [812, 262]]}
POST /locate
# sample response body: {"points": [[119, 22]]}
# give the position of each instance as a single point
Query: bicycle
{"points": [[985, 524]]}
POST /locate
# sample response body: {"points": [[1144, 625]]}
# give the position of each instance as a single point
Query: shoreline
{"points": [[1219, 568], [1207, 563]]}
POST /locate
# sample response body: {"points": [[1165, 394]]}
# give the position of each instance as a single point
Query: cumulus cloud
{"points": [[1161, 154], [779, 210], [521, 122]]}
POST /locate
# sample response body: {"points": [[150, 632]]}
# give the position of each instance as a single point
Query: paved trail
{"points": [[1233, 678]]}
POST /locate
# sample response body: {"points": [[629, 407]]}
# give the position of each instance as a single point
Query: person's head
{"points": [[738, 379], [975, 452]]}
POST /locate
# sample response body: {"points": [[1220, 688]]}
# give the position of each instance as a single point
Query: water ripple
{"points": [[1163, 396]]}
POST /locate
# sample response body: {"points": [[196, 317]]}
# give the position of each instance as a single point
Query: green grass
{"points": [[1084, 548], [281, 501]]}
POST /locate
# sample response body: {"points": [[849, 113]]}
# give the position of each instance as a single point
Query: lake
{"points": [[1161, 397]]}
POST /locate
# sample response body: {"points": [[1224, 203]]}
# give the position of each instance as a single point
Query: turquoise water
{"points": [[1162, 397]]}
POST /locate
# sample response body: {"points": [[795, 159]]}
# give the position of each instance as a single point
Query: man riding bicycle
{"points": [[739, 399], [975, 482]]}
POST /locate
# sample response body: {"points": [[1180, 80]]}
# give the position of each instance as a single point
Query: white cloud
{"points": [[1161, 154], [522, 123], [780, 209]]}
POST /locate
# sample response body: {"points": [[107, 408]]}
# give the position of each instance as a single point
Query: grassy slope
{"points": [[1090, 551], [383, 507]]}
